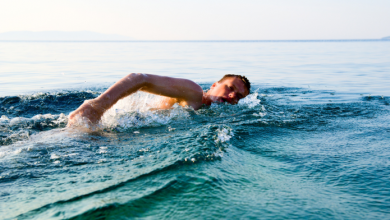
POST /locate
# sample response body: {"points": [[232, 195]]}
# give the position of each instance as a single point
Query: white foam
{"points": [[21, 121], [137, 111], [54, 156], [250, 100], [224, 134], [4, 119], [14, 149], [102, 150], [18, 151]]}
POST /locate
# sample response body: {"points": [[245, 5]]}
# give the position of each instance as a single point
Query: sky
{"points": [[203, 19]]}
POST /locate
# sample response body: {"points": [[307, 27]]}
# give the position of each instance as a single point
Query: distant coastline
{"points": [[386, 38]]}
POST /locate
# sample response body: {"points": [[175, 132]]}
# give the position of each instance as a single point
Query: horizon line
{"points": [[300, 40]]}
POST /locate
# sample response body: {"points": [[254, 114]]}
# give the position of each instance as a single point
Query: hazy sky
{"points": [[203, 19]]}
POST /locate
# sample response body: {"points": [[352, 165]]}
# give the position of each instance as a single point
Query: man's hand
{"points": [[90, 111]]}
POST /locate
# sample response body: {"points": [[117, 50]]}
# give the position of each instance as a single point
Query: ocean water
{"points": [[310, 141]]}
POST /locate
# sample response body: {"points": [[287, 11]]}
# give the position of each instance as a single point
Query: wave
{"points": [[78, 173]]}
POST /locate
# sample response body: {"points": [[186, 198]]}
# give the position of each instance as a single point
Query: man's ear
{"points": [[214, 85]]}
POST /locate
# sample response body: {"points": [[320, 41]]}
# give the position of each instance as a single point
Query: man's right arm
{"points": [[181, 89]]}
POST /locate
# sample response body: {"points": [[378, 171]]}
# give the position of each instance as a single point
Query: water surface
{"points": [[310, 141]]}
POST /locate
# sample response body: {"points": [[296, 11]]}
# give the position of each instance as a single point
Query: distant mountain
{"points": [[386, 38], [61, 36]]}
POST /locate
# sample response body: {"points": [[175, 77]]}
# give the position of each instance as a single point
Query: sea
{"points": [[311, 141]]}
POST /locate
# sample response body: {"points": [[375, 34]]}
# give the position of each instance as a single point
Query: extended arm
{"points": [[180, 89]]}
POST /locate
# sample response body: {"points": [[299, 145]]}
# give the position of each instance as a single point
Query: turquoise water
{"points": [[310, 141]]}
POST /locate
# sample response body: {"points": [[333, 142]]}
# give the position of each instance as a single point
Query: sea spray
{"points": [[224, 134], [139, 110], [250, 100]]}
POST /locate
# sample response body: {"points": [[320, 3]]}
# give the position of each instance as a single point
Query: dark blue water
{"points": [[311, 141]]}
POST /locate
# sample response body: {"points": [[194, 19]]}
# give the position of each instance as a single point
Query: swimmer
{"points": [[231, 88]]}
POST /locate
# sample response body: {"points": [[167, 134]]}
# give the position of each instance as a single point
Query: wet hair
{"points": [[243, 79]]}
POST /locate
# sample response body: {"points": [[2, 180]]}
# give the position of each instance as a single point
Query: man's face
{"points": [[229, 90]]}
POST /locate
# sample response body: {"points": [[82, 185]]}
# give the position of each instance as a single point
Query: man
{"points": [[230, 88]]}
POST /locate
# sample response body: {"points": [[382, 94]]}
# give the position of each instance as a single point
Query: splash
{"points": [[224, 134], [139, 110], [250, 101], [21, 128]]}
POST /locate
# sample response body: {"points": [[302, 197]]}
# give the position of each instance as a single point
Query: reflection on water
{"points": [[353, 67]]}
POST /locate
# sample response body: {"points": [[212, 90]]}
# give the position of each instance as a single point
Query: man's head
{"points": [[231, 88]]}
